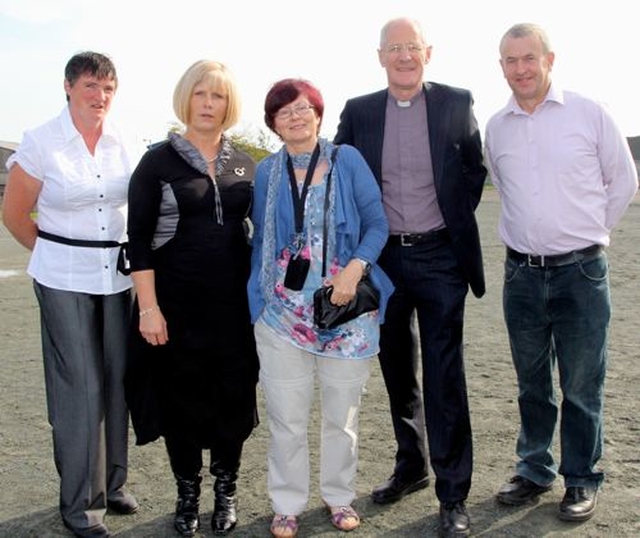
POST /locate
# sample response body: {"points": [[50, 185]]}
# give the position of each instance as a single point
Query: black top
{"points": [[208, 369]]}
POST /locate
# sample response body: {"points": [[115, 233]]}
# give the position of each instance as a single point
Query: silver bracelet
{"points": [[146, 311]]}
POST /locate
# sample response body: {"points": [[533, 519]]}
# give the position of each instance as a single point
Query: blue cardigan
{"points": [[361, 224]]}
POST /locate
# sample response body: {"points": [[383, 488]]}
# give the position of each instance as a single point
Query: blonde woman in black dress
{"points": [[188, 201]]}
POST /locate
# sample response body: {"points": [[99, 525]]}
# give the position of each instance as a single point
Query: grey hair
{"points": [[389, 23], [526, 29]]}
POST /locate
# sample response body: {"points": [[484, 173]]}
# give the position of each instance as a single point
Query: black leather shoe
{"points": [[395, 488], [454, 520], [520, 490], [123, 503], [578, 503]]}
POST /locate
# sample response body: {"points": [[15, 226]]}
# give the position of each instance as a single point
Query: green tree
{"points": [[257, 144]]}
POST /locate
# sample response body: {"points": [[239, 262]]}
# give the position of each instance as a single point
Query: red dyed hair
{"points": [[287, 91]]}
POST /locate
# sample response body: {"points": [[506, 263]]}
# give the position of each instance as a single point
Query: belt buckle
{"points": [[405, 240], [532, 259]]}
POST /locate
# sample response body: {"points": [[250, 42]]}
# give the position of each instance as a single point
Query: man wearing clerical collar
{"points": [[423, 145]]}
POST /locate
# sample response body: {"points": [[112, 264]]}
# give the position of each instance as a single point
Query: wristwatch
{"points": [[366, 266]]}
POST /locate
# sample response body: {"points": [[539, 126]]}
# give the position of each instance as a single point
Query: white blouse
{"points": [[83, 196]]}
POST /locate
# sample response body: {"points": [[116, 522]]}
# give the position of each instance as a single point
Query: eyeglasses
{"points": [[411, 48], [299, 110]]}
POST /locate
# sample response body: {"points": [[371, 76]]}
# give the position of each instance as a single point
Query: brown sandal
{"points": [[344, 518], [283, 526]]}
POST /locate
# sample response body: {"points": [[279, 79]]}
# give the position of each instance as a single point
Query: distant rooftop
{"points": [[634, 144], [9, 145]]}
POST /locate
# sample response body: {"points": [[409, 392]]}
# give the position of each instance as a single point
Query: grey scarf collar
{"points": [[192, 156]]}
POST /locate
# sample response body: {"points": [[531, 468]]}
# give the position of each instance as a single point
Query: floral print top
{"points": [[291, 314]]}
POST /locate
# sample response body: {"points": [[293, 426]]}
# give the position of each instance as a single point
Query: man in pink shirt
{"points": [[565, 176]]}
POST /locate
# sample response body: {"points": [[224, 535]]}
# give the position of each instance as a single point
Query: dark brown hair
{"points": [[90, 63]]}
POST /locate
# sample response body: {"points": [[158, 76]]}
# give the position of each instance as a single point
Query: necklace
{"points": [[211, 160]]}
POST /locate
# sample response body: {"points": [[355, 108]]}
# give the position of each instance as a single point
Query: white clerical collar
{"points": [[406, 103]]}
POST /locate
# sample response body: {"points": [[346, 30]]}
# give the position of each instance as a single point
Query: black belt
{"points": [[123, 262], [409, 240], [584, 255]]}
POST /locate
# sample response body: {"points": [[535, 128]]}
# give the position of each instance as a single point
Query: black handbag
{"points": [[327, 315]]}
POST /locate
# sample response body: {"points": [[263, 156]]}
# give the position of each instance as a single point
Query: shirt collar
{"points": [[70, 132], [554, 94]]}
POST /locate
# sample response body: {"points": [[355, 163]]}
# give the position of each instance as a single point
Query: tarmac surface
{"points": [[29, 484]]}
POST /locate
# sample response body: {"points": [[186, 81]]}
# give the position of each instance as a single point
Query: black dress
{"points": [[201, 385]]}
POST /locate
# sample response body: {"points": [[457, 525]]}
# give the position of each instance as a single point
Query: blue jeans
{"points": [[559, 314]]}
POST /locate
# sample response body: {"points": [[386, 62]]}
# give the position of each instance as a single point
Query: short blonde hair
{"points": [[217, 76]]}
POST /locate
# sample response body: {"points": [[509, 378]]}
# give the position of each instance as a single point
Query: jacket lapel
{"points": [[435, 102], [376, 115]]}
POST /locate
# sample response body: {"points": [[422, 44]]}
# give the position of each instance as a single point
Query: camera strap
{"points": [[299, 197]]}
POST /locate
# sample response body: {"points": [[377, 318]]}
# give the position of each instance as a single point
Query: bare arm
{"points": [[153, 326], [20, 197]]}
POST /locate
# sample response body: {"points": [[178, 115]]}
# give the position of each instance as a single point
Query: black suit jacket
{"points": [[456, 154]]}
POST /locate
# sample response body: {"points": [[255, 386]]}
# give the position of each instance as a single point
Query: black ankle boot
{"points": [[224, 517], [187, 520]]}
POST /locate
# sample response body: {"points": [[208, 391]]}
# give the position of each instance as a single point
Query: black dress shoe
{"points": [[578, 503], [454, 520], [123, 503], [395, 488], [520, 490]]}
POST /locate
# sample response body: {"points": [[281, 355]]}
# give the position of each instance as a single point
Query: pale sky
{"points": [[330, 42]]}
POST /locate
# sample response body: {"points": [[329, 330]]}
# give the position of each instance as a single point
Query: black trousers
{"points": [[428, 282], [185, 456]]}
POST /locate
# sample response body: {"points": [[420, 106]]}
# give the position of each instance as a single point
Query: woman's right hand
{"points": [[153, 327]]}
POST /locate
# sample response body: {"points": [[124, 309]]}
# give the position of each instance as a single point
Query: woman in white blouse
{"points": [[73, 171]]}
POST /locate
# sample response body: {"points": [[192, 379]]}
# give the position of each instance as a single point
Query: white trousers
{"points": [[287, 378]]}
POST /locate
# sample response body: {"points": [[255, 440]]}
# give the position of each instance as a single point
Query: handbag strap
{"points": [[325, 224]]}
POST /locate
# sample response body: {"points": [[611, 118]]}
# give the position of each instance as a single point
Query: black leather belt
{"points": [[409, 240], [557, 260]]}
